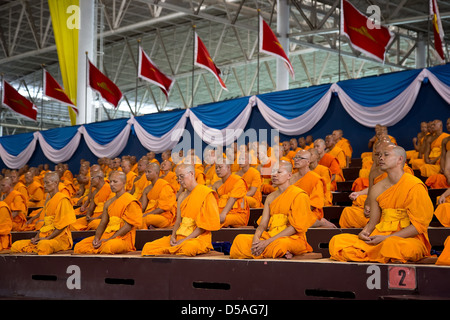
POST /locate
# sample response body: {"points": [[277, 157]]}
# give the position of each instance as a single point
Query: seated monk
{"points": [[285, 220], [210, 168], [197, 216], [16, 202], [313, 185], [101, 192], [54, 235], [131, 175], [35, 191], [400, 213], [141, 182], [231, 189], [335, 151], [19, 185], [344, 144], [252, 177], [430, 164], [418, 143], [331, 162], [441, 180], [5, 226], [159, 200], [442, 211], [168, 175], [121, 215], [323, 172]]}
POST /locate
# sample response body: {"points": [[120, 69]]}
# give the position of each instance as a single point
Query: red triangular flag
{"points": [[105, 87], [17, 103], [149, 72], [372, 42], [204, 60], [437, 30], [54, 91], [269, 44]]}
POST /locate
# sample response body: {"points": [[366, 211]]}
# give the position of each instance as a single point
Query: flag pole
{"points": [[428, 36], [43, 90], [85, 88], [339, 43], [1, 105], [137, 75], [193, 64], [259, 39]]}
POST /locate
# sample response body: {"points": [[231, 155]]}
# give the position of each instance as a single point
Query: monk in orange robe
{"points": [[400, 213], [168, 175], [19, 185], [35, 191], [285, 220], [54, 235], [331, 162], [430, 164], [335, 151], [210, 168], [197, 216], [16, 202], [252, 177], [159, 200], [100, 194], [442, 211], [131, 175], [344, 144], [313, 185], [121, 216], [232, 189], [323, 172], [141, 182], [5, 226]]}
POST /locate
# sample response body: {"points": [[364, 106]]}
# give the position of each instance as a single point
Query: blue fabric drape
{"points": [[15, 144], [158, 124], [60, 137], [219, 115], [373, 92], [293, 103], [105, 132]]}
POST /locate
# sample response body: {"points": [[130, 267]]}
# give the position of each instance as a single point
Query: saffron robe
{"points": [[16, 201], [139, 186], [163, 196], [315, 187], [58, 214], [36, 195], [332, 163], [325, 173], [234, 187], [126, 208], [198, 210], [5, 226], [405, 203], [253, 179], [427, 170], [100, 197], [442, 212], [290, 208]]}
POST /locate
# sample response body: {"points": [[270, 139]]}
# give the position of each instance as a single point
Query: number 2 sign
{"points": [[402, 278]]}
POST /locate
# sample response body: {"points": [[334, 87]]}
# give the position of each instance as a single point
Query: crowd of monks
{"points": [[291, 181]]}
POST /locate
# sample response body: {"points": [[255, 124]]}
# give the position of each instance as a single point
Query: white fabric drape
{"points": [[166, 141], [300, 124], [63, 154], [111, 149], [226, 136], [441, 88]]}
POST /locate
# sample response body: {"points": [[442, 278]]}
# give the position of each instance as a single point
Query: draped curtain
{"points": [[385, 100]]}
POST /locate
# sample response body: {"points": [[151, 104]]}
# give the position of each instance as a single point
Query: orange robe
{"points": [[198, 210], [345, 145], [36, 195], [253, 179], [163, 196], [290, 208], [325, 173], [100, 197], [123, 209], [405, 203], [315, 187], [5, 226], [427, 170], [139, 186], [333, 164], [234, 187], [58, 214], [22, 189], [339, 154], [442, 212], [130, 180], [437, 181], [171, 177], [211, 176], [16, 201]]}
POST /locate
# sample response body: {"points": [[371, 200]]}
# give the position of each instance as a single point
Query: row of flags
{"points": [[354, 25]]}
